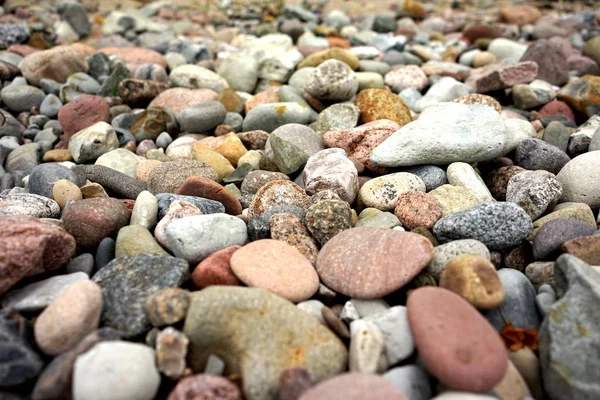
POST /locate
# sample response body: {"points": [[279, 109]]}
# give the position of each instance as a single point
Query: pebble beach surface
{"points": [[393, 201]]}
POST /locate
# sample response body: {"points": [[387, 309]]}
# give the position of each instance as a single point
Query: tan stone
{"points": [[213, 158], [230, 146], [475, 279], [65, 190]]}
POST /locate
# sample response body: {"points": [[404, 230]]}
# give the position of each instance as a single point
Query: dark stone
{"points": [[258, 228], [534, 154], [56, 380], [578, 145], [13, 34], [126, 284], [43, 177], [117, 182], [82, 263], [105, 252], [18, 361], [547, 241], [519, 306], [557, 135], [205, 205]]}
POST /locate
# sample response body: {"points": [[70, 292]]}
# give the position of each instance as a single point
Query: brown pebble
{"points": [[418, 209], [209, 189], [167, 306], [475, 279], [215, 270]]}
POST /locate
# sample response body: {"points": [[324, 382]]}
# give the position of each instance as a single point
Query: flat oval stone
{"points": [[580, 179], [368, 263], [497, 225], [457, 345], [276, 266], [216, 270], [69, 318], [169, 176], [354, 386]]}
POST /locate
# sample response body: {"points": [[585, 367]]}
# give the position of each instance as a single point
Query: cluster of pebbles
{"points": [[299, 205]]}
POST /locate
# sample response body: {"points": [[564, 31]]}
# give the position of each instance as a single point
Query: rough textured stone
{"points": [[498, 225], [224, 321], [126, 284], [570, 332], [29, 247]]}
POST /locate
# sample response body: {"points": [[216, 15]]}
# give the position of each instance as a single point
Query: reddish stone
{"points": [[583, 65], [456, 343], [306, 49], [497, 180], [91, 220], [418, 209], [205, 387], [551, 61], [215, 270], [29, 246], [359, 142], [338, 42], [475, 32], [22, 49], [209, 189], [368, 263], [271, 95], [178, 99], [136, 56], [557, 107], [80, 114], [503, 76], [354, 386], [586, 248]]}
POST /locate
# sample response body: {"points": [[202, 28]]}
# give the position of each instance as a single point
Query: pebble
{"points": [[187, 237], [136, 239], [291, 145], [31, 247], [569, 322], [473, 278], [276, 266], [71, 316], [463, 175], [534, 191], [92, 142], [415, 209], [145, 210], [196, 186], [518, 307], [205, 386], [332, 80], [411, 380], [377, 104], [445, 253], [327, 218], [216, 269], [44, 177], [219, 317], [497, 225], [457, 345], [269, 117], [460, 125], [330, 169], [167, 177], [444, 90], [57, 63], [383, 192], [203, 117], [586, 248], [127, 283], [341, 261], [454, 199], [354, 386], [109, 366], [168, 306], [578, 178]]}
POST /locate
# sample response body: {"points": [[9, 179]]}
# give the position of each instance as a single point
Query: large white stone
{"points": [[445, 133], [116, 370], [195, 238], [580, 179], [197, 77]]}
